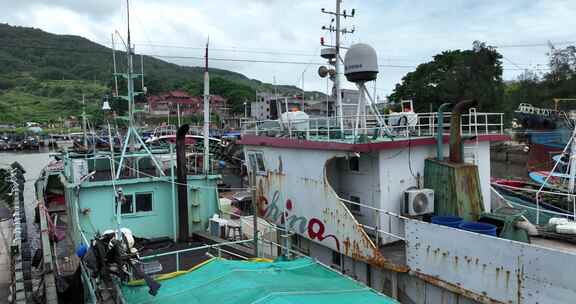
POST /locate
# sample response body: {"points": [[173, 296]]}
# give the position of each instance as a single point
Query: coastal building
{"points": [[169, 103]]}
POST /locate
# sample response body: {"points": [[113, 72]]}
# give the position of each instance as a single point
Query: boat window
{"points": [[354, 163], [143, 202], [126, 205], [257, 160]]}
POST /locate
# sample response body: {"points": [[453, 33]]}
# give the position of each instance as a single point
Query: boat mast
{"points": [[338, 31], [206, 162], [114, 65], [132, 133], [84, 122], [571, 183], [337, 67]]}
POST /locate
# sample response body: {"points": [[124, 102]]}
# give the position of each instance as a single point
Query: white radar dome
{"points": [[361, 63]]}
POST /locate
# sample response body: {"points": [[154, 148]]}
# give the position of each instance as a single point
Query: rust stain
{"points": [[346, 246], [519, 279], [482, 298], [456, 262], [376, 259]]}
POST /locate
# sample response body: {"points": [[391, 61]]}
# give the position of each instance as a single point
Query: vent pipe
{"points": [[456, 148], [440, 131], [181, 172]]}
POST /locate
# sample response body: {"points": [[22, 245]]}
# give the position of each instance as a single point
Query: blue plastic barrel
{"points": [[447, 220], [483, 228]]}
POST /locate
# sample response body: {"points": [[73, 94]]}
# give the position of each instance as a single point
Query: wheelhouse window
{"points": [[257, 160], [143, 202], [136, 203]]}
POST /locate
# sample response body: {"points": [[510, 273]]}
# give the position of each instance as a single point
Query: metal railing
{"points": [[398, 125], [539, 210], [218, 246], [377, 229]]}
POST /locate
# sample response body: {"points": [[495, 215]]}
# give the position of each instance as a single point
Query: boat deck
{"points": [[554, 244], [183, 256]]}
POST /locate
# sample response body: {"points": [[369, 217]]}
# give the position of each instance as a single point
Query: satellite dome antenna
{"points": [[361, 66]]}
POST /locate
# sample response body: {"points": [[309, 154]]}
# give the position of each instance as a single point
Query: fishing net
{"points": [[280, 282]]}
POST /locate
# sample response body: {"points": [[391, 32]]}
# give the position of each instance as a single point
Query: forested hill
{"points": [[43, 75]]}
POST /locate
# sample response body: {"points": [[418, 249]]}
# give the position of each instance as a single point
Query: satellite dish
{"points": [[361, 63], [328, 53], [322, 71]]}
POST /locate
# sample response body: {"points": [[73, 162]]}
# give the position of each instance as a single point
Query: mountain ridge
{"points": [[33, 62]]}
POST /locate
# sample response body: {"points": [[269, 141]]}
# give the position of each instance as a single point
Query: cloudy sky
{"points": [[404, 32]]}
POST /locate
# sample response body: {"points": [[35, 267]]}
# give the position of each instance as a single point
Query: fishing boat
{"points": [[546, 130], [389, 206], [144, 224]]}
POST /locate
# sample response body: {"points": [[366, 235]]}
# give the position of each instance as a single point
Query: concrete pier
{"points": [[5, 264]]}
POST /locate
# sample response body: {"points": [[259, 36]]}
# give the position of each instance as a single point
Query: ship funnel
{"points": [[181, 172], [456, 149]]}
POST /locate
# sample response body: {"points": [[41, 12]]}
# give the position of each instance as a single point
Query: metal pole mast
{"points": [[114, 63], [255, 207], [84, 122], [337, 67], [129, 141], [338, 31], [572, 172], [206, 114]]}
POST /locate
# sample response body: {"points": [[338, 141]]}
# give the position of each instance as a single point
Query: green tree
{"points": [[453, 76]]}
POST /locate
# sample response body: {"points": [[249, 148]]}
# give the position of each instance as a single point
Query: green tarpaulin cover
{"points": [[280, 282]]}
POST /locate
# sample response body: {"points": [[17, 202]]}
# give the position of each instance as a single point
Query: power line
{"points": [[528, 45], [223, 59]]}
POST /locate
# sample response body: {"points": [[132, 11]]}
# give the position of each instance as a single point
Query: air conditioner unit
{"points": [[418, 202]]}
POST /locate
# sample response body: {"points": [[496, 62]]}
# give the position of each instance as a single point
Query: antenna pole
{"points": [[206, 158], [337, 67], [338, 31]]}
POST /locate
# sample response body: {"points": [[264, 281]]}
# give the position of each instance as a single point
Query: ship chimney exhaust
{"points": [[456, 149], [181, 172]]}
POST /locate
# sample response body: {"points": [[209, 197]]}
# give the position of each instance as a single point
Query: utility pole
{"points": [[338, 31]]}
